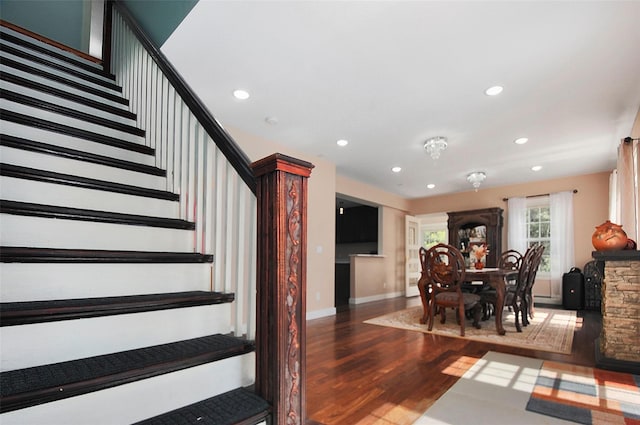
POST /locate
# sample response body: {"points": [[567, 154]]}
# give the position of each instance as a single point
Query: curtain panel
{"points": [[628, 202]]}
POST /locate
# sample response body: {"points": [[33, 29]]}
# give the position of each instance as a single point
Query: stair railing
{"points": [[211, 174]]}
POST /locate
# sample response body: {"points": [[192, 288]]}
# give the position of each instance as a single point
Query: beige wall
{"points": [[590, 204], [320, 218], [590, 208]]}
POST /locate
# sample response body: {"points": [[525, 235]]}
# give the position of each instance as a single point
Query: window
{"points": [[433, 229], [432, 236], [538, 222]]}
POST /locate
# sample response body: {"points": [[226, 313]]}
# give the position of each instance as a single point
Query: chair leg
{"points": [[477, 312], [517, 309]]}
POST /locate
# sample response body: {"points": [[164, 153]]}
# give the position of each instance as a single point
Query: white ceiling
{"points": [[387, 75]]}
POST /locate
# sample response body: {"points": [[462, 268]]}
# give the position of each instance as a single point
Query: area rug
{"points": [[551, 330], [494, 390], [585, 395]]}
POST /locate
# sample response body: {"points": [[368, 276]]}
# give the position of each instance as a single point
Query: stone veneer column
{"points": [[619, 342]]}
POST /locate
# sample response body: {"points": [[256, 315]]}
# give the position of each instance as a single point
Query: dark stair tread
{"points": [[25, 312], [15, 79], [15, 254], [236, 407], [80, 214], [17, 171], [69, 112], [31, 70], [68, 130], [42, 384], [70, 63], [78, 155]]}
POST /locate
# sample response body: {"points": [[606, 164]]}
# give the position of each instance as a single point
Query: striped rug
{"points": [[585, 395]]}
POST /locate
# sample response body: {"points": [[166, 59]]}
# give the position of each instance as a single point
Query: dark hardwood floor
{"points": [[365, 374]]}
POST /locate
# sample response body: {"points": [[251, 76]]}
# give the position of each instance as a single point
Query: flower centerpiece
{"points": [[479, 255]]}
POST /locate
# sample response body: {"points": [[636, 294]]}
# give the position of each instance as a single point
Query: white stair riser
{"points": [[58, 139], [46, 97], [56, 84], [48, 47], [142, 399], [43, 343], [75, 234], [72, 122], [15, 189], [62, 73], [45, 281], [58, 164]]}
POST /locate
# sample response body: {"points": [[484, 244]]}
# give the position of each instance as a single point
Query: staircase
{"points": [[114, 309]]}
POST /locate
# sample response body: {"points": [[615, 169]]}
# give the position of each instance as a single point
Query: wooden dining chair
{"points": [[531, 280], [510, 259], [514, 297], [423, 285], [445, 273]]}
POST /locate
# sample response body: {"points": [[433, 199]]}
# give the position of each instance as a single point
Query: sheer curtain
{"points": [[517, 224], [628, 202], [562, 255]]}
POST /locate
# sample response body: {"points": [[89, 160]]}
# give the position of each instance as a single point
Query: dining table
{"points": [[497, 279]]}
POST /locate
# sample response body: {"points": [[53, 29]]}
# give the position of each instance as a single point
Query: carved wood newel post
{"points": [[281, 285]]}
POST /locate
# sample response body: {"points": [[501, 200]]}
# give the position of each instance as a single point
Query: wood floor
{"points": [[366, 374]]}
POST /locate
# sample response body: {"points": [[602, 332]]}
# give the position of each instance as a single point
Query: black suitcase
{"points": [[593, 272], [573, 289]]}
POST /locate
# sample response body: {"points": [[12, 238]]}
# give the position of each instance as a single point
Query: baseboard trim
{"points": [[317, 314], [379, 297]]}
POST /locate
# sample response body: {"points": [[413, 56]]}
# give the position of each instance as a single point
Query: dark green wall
{"points": [[160, 18], [63, 20], [59, 20]]}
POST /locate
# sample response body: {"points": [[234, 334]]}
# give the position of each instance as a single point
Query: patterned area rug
{"points": [[550, 330], [585, 395]]}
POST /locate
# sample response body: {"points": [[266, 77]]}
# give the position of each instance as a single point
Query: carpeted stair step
{"points": [[237, 407], [78, 155], [67, 213], [22, 313], [20, 172], [14, 254], [42, 384]]}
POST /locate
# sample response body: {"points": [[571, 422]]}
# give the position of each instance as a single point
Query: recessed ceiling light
{"points": [[493, 91], [396, 169], [271, 120], [536, 168], [241, 94], [342, 142], [521, 141], [431, 186]]}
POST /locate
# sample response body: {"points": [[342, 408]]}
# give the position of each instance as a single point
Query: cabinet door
{"points": [[412, 256]]}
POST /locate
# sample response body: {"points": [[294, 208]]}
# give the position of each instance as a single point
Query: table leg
{"points": [[500, 287]]}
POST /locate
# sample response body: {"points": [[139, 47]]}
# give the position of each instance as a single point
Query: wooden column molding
{"points": [[281, 285]]}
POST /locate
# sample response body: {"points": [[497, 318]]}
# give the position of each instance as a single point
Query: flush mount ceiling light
{"points": [[521, 141], [435, 145], [241, 94], [396, 169], [476, 178], [342, 142], [493, 91]]}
